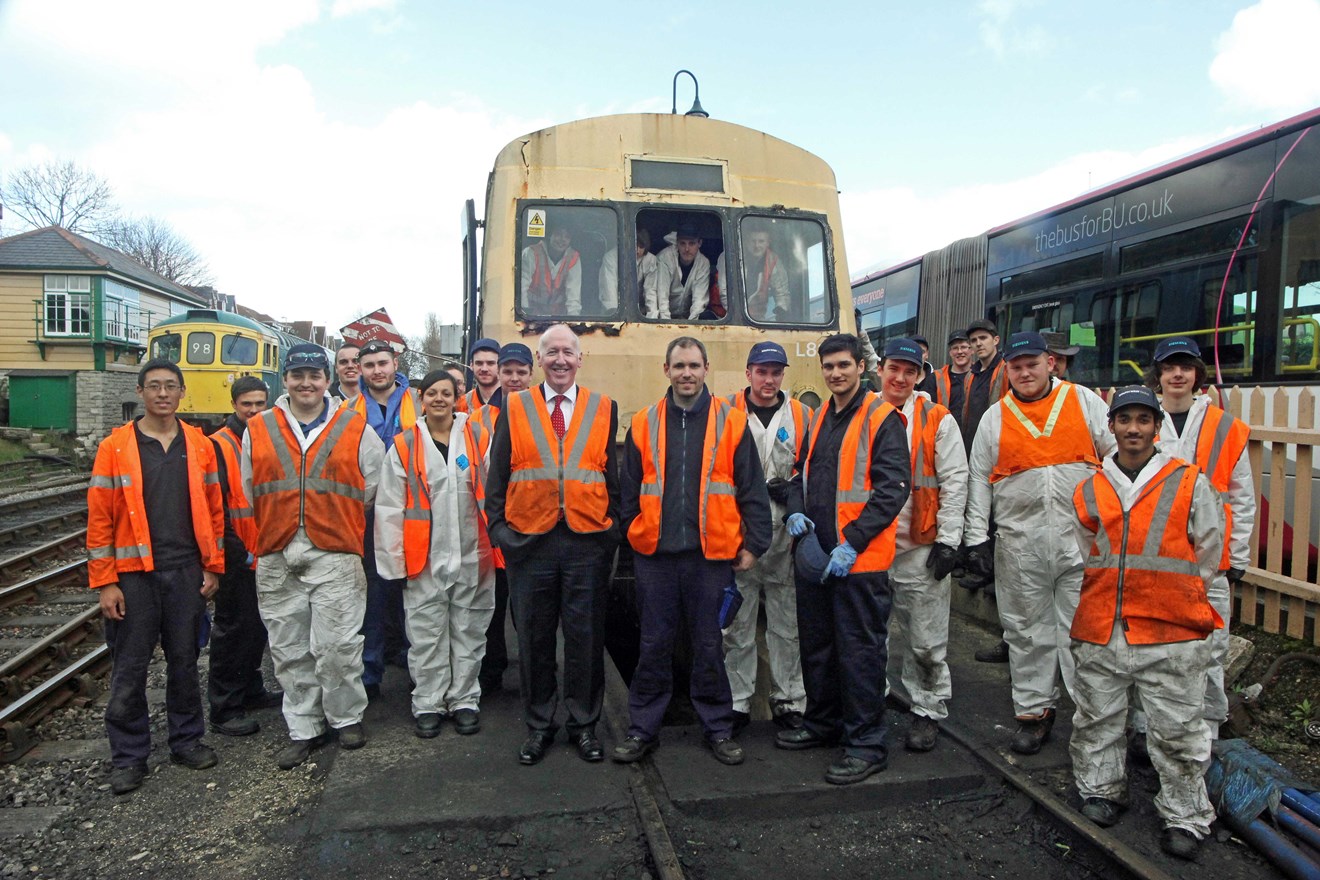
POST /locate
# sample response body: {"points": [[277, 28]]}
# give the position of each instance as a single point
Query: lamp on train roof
{"points": [[696, 97]]}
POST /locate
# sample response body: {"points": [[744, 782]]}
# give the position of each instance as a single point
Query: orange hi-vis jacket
{"points": [[944, 385], [469, 402], [998, 386], [1049, 431], [417, 498], [1142, 570], [854, 486], [719, 518], [546, 295], [1219, 446], [118, 539], [239, 510], [800, 411], [407, 407], [323, 491], [926, 418], [552, 478], [481, 422]]}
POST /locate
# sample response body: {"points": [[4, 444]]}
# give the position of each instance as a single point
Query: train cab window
{"points": [[238, 350], [688, 249], [568, 262], [784, 273], [168, 346], [201, 348], [1299, 314]]}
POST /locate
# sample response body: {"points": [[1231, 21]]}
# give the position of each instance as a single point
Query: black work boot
{"points": [[1032, 733]]}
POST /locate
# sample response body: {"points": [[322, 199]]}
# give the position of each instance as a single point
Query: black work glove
{"points": [[942, 560], [981, 559], [778, 489], [1235, 575]]}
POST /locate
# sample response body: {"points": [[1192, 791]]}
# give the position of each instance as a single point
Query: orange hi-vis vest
{"points": [[944, 386], [546, 295], [1142, 570], [469, 402], [417, 498], [998, 386], [718, 515], [407, 415], [1049, 431], [322, 490], [118, 538], [800, 412], [854, 486], [237, 509], [481, 424], [926, 418], [1219, 445], [553, 478]]}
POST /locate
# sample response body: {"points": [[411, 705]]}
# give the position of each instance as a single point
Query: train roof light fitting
{"points": [[696, 97]]}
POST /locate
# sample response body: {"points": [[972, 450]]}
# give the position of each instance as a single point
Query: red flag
{"points": [[376, 325]]}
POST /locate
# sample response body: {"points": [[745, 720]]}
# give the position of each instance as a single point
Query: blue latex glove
{"points": [[799, 525], [250, 559], [842, 558]]}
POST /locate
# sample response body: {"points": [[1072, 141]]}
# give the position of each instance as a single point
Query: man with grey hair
{"points": [[552, 503]]}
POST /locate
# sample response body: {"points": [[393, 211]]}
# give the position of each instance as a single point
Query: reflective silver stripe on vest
{"points": [[653, 429], [211, 477], [920, 480], [721, 422], [118, 481], [1172, 482], [137, 551], [413, 510], [571, 469], [288, 480], [1217, 449], [1144, 562], [100, 552], [861, 465], [1036, 433], [1093, 511]]}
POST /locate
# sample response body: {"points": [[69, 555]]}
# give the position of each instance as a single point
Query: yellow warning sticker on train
{"points": [[536, 223]]}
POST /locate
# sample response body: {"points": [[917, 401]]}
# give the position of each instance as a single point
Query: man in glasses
{"points": [[310, 466], [155, 523]]}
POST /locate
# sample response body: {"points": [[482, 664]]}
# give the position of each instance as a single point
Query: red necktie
{"points": [[557, 417]]}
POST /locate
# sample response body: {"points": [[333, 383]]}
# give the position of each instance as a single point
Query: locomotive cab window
{"points": [[568, 262], [168, 346], [784, 276], [238, 350], [680, 282]]}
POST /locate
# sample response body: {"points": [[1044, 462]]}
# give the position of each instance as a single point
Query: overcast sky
{"points": [[318, 153]]}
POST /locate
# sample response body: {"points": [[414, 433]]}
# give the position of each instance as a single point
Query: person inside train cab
{"points": [[390, 408], [484, 362], [764, 278], [683, 277], [155, 531], [347, 372], [551, 270], [238, 637], [647, 274]]}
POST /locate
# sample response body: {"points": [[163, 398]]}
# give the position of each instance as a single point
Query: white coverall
{"points": [[312, 602], [1168, 679], [572, 282], [918, 670], [448, 606], [676, 299], [770, 577], [609, 281], [764, 302], [1242, 502], [1038, 571]]}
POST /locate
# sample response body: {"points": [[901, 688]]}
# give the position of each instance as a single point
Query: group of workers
{"points": [[346, 515]]}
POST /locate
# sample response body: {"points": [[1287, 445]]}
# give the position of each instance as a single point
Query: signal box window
{"points": [[687, 247], [201, 348], [168, 346], [238, 350], [784, 276], [568, 262]]}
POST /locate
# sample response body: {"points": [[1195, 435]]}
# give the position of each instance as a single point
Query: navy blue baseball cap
{"points": [[307, 354], [1023, 343], [1134, 395], [515, 353], [903, 349], [1176, 345], [767, 353], [484, 345], [920, 340]]}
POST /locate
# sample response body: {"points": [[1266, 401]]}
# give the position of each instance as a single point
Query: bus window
{"points": [[1299, 313], [565, 262], [238, 350], [784, 275], [889, 304], [201, 348], [1203, 241], [168, 346], [689, 254]]}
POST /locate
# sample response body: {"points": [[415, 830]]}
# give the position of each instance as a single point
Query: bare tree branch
{"points": [[58, 194], [156, 245]]}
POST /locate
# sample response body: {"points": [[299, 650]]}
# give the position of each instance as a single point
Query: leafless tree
{"points": [[58, 194], [156, 245], [423, 354]]}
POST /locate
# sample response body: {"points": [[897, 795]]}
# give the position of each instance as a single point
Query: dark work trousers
{"points": [[162, 607], [676, 589], [561, 585], [384, 616], [238, 640], [843, 628], [496, 659]]}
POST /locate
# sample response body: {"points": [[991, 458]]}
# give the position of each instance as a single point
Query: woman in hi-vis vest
{"points": [[431, 530]]}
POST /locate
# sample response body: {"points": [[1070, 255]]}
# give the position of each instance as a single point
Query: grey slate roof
{"points": [[55, 248]]}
